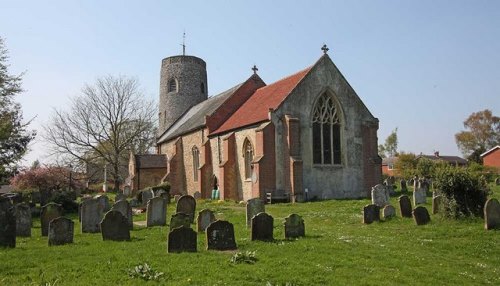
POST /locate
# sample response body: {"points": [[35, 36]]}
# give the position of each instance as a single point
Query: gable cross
{"points": [[325, 49], [255, 69]]}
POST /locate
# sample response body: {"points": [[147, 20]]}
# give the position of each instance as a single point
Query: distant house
{"points": [[492, 157], [388, 163]]}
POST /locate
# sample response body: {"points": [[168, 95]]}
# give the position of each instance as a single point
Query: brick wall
{"points": [[492, 159]]}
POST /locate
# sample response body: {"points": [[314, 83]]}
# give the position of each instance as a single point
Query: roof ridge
{"points": [[287, 77]]}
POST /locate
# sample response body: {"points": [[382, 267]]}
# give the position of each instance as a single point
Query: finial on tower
{"points": [[255, 69], [184, 43], [325, 49]]}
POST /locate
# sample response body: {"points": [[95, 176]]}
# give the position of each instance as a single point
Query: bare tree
{"points": [[107, 121]]}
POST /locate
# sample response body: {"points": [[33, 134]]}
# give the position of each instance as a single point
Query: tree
{"points": [[14, 136], [106, 121], [45, 178], [406, 165], [482, 133], [390, 147]]}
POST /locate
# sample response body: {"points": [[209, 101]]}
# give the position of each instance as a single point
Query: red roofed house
{"points": [[308, 132], [492, 157]]}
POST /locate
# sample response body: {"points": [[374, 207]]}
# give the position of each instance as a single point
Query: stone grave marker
{"points": [[437, 203], [23, 220], [44, 196], [49, 212], [165, 195], [492, 214], [421, 215], [388, 212], [92, 213], [127, 191], [178, 220], [220, 236], [262, 227], [403, 186], [114, 226], [182, 239], [156, 212], [104, 202], [187, 204], [204, 219], [7, 223], [254, 207], [120, 196], [124, 208], [371, 213], [419, 196], [61, 231], [405, 206], [380, 195], [294, 226], [146, 195]]}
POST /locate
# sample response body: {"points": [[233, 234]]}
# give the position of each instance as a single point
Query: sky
{"points": [[419, 66]]}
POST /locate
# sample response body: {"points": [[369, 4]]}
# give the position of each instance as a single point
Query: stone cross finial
{"points": [[325, 49], [255, 69]]}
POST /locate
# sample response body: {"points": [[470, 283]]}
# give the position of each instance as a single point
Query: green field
{"points": [[337, 250]]}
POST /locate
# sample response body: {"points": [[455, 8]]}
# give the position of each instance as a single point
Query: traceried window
{"points": [[196, 163], [172, 85], [326, 132], [248, 156]]}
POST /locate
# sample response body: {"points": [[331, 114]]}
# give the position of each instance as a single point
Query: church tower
{"points": [[183, 84]]}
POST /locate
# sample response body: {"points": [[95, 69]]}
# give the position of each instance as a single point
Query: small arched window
{"points": [[202, 88], [196, 163], [248, 156], [326, 132], [172, 85]]}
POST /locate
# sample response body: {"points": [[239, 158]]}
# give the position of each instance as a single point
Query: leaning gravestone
{"points": [[7, 223], [23, 220], [492, 214], [421, 215], [146, 195], [92, 213], [437, 202], [178, 220], [186, 204], [262, 227], [204, 219], [380, 195], [371, 213], [419, 196], [156, 212], [405, 206], [124, 208], [104, 202], [49, 212], [182, 239], [388, 212], [61, 231], [294, 226], [114, 226], [220, 236], [403, 186], [254, 206]]}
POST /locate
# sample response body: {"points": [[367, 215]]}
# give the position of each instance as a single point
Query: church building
{"points": [[307, 135]]}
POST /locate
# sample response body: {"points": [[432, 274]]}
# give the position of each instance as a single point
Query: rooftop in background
{"points": [[449, 159], [491, 150]]}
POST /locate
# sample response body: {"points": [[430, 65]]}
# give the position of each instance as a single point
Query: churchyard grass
{"points": [[337, 250]]}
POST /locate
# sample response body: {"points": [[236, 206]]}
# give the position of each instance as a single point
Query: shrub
{"points": [[66, 199]]}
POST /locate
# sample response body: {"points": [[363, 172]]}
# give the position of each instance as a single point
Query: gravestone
{"points": [[197, 195], [492, 214], [388, 212], [49, 212], [23, 220], [419, 196], [294, 226], [124, 208], [220, 236], [165, 195], [186, 204], [44, 197], [61, 231], [437, 203], [497, 181], [7, 223], [176, 198], [92, 213], [262, 227], [421, 215], [182, 239], [80, 207], [104, 202], [423, 183], [371, 213], [146, 195], [127, 191], [114, 226], [156, 212], [204, 219], [380, 195], [120, 196], [254, 206], [403, 187], [178, 220], [405, 206]]}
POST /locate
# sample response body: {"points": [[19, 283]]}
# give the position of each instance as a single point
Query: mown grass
{"points": [[337, 250]]}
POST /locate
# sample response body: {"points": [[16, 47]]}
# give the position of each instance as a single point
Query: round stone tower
{"points": [[183, 84]]}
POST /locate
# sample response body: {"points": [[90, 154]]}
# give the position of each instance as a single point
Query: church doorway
{"points": [[215, 188]]}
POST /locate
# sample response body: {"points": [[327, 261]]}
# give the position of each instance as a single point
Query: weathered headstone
{"points": [[419, 196], [182, 239], [127, 191], [204, 219], [124, 208], [403, 187], [405, 206], [220, 236], [187, 204], [23, 220], [49, 212], [146, 195], [114, 226], [92, 213], [156, 212], [120, 196], [492, 214], [421, 215], [61, 231], [254, 207], [7, 223], [178, 220], [424, 184], [262, 227], [294, 226], [104, 202], [437, 203], [371, 213], [388, 212], [380, 195]]}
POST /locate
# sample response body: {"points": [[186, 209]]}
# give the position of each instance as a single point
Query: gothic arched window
{"points": [[202, 88], [172, 85], [248, 156], [326, 132], [196, 163]]}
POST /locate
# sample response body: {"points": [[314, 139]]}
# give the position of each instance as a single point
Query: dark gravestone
{"points": [[120, 196], [7, 223], [388, 212], [182, 239], [220, 236], [45, 197], [23, 220], [187, 205], [254, 206], [294, 226], [437, 202], [61, 231], [124, 208], [49, 212], [371, 213], [165, 195], [114, 226], [178, 220], [146, 195], [92, 213], [104, 202], [405, 206], [204, 219], [492, 214], [403, 186], [156, 212], [262, 227], [421, 215]]}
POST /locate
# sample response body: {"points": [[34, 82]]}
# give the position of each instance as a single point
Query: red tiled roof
{"points": [[256, 108]]}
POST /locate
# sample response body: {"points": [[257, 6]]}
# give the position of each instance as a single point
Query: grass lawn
{"points": [[337, 250]]}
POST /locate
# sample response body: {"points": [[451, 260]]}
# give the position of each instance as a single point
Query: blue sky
{"points": [[420, 66]]}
